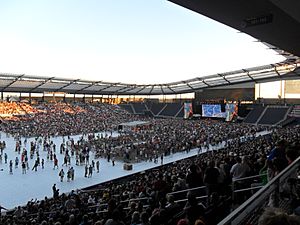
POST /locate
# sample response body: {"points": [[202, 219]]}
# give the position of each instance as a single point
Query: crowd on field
{"points": [[152, 197], [155, 196]]}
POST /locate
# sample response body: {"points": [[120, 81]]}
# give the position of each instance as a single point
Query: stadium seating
{"points": [[171, 110], [254, 114], [295, 111], [139, 108], [180, 114], [273, 115], [174, 110], [287, 121], [156, 108], [148, 193], [127, 107]]}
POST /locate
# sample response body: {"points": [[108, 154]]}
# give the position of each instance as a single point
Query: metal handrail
{"points": [[186, 190], [135, 199], [241, 180], [185, 199], [248, 189], [250, 177], [248, 206]]}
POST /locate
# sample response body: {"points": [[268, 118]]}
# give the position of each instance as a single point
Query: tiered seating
{"points": [[63, 118], [180, 114], [295, 111], [171, 109], [139, 108], [152, 194], [11, 108], [273, 115], [127, 107], [254, 115], [155, 108], [287, 121], [66, 108], [28, 108], [261, 206]]}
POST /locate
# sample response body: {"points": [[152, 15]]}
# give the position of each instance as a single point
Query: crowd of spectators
{"points": [[9, 109], [154, 196], [149, 198], [162, 137], [167, 136], [63, 119]]}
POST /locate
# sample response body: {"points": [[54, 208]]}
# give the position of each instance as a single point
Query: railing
{"points": [[185, 199], [148, 198], [295, 112], [285, 116], [186, 190], [253, 115], [97, 188], [249, 211], [182, 200], [261, 115], [245, 180]]}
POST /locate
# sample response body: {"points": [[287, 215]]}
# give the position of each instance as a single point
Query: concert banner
{"points": [[188, 110]]}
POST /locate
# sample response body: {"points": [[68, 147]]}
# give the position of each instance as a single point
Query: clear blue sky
{"points": [[136, 41]]}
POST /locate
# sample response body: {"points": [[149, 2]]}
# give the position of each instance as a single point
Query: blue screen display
{"points": [[212, 111]]}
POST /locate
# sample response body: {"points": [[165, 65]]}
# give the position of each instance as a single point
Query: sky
{"points": [[136, 41]]}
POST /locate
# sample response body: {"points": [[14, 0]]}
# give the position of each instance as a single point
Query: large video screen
{"points": [[212, 111]]}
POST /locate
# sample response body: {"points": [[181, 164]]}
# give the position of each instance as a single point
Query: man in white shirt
{"points": [[240, 169]]}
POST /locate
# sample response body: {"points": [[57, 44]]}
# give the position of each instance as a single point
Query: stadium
{"points": [[220, 148]]}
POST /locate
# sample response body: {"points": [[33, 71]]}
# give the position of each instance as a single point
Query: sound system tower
{"points": [[127, 166]]}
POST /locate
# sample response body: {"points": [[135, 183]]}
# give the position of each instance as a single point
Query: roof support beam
{"points": [[141, 89], [151, 89], [277, 72], [130, 88], [208, 85], [118, 91], [188, 85], [224, 78], [162, 90], [293, 71], [14, 81], [111, 85], [90, 85], [67, 85], [168, 86], [41, 84], [248, 74], [203, 81]]}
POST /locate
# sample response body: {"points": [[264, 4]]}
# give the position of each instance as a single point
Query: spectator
{"points": [[240, 169], [274, 216], [211, 176]]}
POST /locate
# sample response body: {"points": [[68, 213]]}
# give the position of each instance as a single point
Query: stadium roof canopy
{"points": [[33, 84], [275, 22]]}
